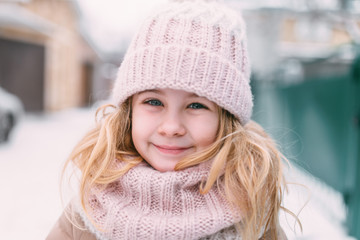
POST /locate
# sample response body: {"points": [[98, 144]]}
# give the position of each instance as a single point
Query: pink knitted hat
{"points": [[195, 46]]}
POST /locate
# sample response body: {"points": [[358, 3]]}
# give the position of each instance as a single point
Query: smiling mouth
{"points": [[171, 149]]}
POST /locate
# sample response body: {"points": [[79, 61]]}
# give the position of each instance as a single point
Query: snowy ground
{"points": [[30, 168]]}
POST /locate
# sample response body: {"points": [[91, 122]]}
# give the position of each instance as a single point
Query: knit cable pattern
{"points": [[148, 204], [194, 46]]}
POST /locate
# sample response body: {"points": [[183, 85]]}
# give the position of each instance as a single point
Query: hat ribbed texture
{"points": [[194, 46]]}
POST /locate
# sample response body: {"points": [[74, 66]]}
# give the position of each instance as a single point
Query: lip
{"points": [[173, 150]]}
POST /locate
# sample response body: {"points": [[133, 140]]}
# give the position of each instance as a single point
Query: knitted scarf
{"points": [[148, 204]]}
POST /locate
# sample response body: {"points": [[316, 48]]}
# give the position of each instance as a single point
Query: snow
{"points": [[30, 167], [320, 208], [115, 18]]}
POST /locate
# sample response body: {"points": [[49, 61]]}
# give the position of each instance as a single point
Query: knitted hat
{"points": [[195, 46]]}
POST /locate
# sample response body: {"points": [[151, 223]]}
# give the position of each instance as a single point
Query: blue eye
{"points": [[154, 102], [197, 106]]}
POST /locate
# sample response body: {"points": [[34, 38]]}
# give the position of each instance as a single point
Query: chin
{"points": [[163, 168]]}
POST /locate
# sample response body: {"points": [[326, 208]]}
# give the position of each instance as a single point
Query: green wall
{"points": [[316, 123]]}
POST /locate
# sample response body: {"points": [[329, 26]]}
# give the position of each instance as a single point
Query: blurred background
{"points": [[59, 58]]}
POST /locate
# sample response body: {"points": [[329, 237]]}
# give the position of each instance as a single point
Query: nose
{"points": [[172, 125]]}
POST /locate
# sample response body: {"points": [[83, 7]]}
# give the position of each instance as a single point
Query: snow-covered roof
{"points": [[301, 5], [109, 24], [12, 15]]}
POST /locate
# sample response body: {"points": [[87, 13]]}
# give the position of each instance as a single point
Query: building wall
{"points": [[22, 71], [337, 32], [67, 56]]}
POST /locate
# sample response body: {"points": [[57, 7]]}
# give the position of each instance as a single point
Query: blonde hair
{"points": [[246, 166]]}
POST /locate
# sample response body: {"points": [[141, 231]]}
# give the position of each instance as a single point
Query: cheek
{"points": [[136, 127], [135, 132], [205, 134], [142, 126]]}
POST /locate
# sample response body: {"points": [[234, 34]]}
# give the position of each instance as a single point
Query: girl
{"points": [[178, 157]]}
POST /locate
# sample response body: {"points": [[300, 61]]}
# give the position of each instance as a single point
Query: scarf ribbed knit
{"points": [[148, 204]]}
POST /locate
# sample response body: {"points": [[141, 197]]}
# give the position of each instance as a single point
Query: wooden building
{"points": [[284, 35], [44, 59]]}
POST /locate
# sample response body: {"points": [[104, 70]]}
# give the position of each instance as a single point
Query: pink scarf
{"points": [[148, 204]]}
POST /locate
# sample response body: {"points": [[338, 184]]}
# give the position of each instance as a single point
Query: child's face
{"points": [[169, 124]]}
